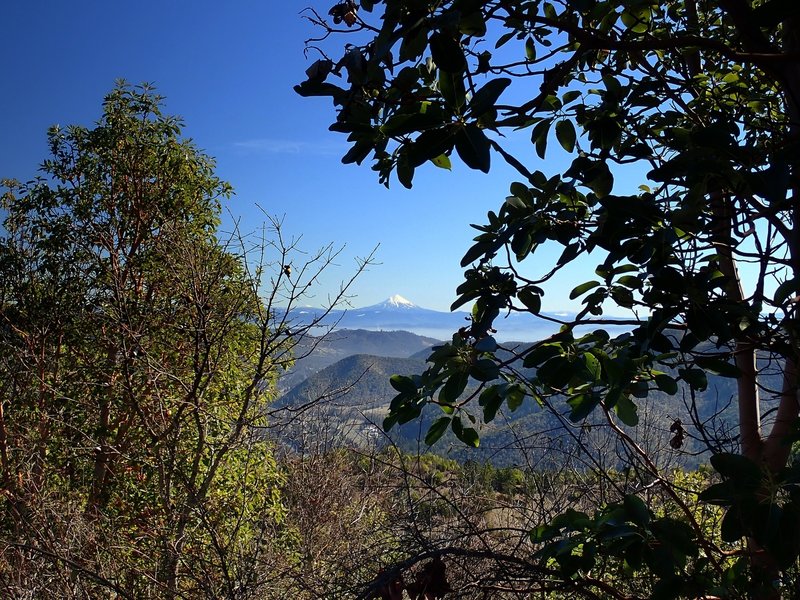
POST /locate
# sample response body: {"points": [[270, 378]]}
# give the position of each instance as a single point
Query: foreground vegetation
{"points": [[137, 362], [677, 123], [139, 367], [140, 349]]}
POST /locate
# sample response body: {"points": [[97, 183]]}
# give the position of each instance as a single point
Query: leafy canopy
{"points": [[697, 99], [135, 363]]}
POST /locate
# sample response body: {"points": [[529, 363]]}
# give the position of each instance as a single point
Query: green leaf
{"points": [[451, 86], [473, 24], [582, 289], [522, 242], [487, 344], [557, 372], [403, 384], [389, 422], [414, 43], [405, 123], [637, 19], [405, 413], [599, 179], [627, 411], [468, 435], [737, 467], [541, 354], [582, 406], [667, 384], [543, 533], [503, 39], [592, 365], [486, 97], [472, 146], [491, 400], [429, 145], [696, 378], [358, 152], [447, 53], [570, 96], [515, 396], [474, 253], [637, 510], [436, 430], [720, 494], [404, 170], [484, 62], [630, 281], [677, 534], [316, 88], [531, 300], [639, 389], [570, 253], [565, 134], [523, 192], [573, 519], [454, 387], [442, 161], [786, 289], [539, 136], [718, 366], [516, 203], [731, 529], [484, 370], [622, 296], [530, 49], [319, 70]]}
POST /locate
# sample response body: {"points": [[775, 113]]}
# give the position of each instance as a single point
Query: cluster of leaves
{"points": [[698, 100], [759, 505], [629, 532], [660, 247], [637, 535]]}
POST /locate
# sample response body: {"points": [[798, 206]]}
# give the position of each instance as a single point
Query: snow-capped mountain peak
{"points": [[397, 301], [392, 303]]}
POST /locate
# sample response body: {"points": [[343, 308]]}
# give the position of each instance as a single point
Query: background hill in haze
{"points": [[343, 386], [397, 313], [320, 352], [346, 401]]}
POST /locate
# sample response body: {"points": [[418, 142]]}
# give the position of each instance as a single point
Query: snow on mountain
{"points": [[400, 302], [397, 313], [391, 303]]}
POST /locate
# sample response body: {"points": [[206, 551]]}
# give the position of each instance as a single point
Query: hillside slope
{"points": [[318, 353], [351, 397]]}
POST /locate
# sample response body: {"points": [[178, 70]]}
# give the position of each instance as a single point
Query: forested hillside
{"points": [[315, 353], [353, 395]]}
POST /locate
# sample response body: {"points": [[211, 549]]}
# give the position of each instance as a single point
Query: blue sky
{"points": [[228, 70]]}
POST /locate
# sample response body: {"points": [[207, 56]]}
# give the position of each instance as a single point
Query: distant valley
{"points": [[339, 393]]}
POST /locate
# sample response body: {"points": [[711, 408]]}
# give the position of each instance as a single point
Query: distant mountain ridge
{"points": [[397, 313], [350, 398], [340, 391], [358, 380], [318, 353]]}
